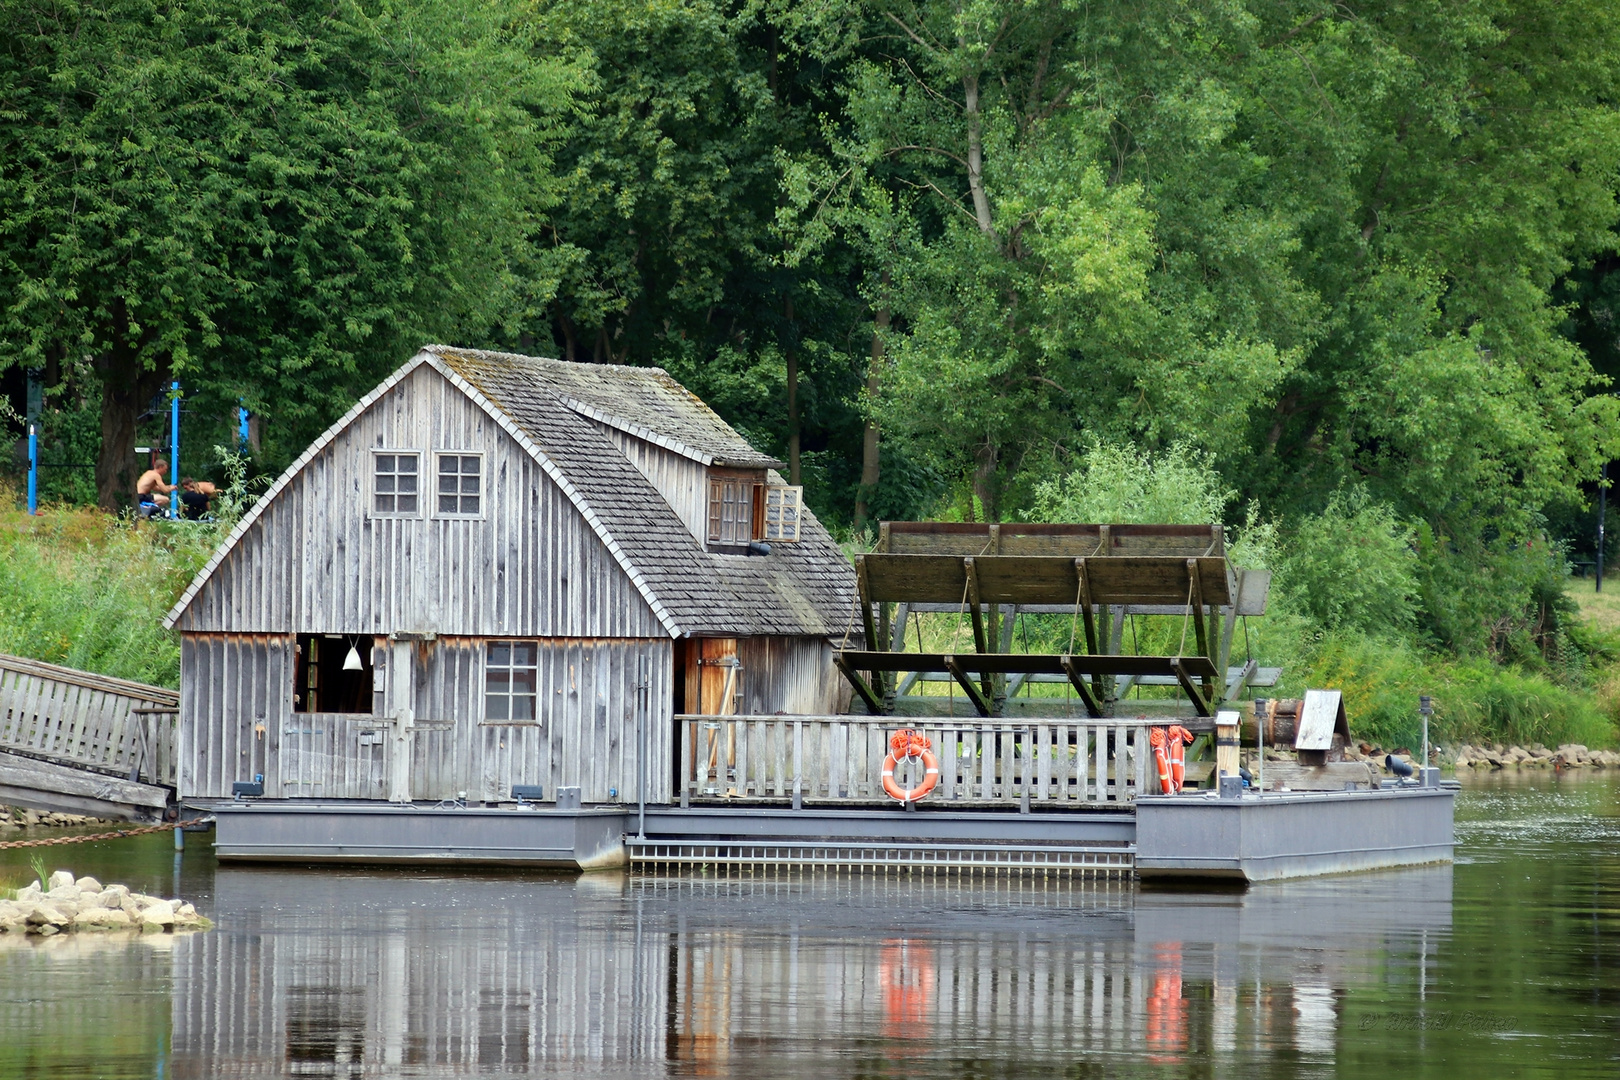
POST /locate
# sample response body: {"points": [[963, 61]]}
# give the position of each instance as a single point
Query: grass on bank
{"points": [[80, 588], [1382, 678]]}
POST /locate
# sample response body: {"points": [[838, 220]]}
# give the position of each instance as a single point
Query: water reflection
{"points": [[1506, 966], [336, 975]]}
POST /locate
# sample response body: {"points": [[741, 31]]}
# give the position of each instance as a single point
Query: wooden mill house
{"points": [[503, 572]]}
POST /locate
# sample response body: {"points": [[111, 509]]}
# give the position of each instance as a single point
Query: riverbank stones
{"points": [[84, 904]]}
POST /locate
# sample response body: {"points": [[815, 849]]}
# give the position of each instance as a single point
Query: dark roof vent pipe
{"points": [[758, 547]]}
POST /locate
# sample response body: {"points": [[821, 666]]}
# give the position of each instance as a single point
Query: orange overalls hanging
{"points": [[1169, 754]]}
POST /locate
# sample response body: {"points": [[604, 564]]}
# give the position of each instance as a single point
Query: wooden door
{"points": [[720, 677], [331, 756], [334, 755]]}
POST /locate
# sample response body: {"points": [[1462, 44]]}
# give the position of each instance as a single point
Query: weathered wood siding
{"points": [[87, 720], [317, 560], [235, 699], [789, 675], [589, 696], [237, 720], [682, 482]]}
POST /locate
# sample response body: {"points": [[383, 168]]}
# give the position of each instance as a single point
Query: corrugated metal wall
{"points": [[789, 675], [317, 562], [237, 720], [682, 482]]}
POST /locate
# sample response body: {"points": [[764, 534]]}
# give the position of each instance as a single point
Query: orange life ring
{"points": [[909, 743]]}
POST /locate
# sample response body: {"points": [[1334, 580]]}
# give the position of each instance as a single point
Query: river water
{"points": [[1506, 964]]}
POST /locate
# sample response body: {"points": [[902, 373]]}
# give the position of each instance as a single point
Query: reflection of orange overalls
{"points": [[1166, 1011]]}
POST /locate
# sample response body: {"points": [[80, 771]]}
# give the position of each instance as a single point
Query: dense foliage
{"points": [[977, 258]]}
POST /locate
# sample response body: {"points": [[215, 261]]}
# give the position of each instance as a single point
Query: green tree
{"points": [[269, 201]]}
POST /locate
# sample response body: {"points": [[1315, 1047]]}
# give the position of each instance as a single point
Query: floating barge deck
{"points": [[1252, 838]]}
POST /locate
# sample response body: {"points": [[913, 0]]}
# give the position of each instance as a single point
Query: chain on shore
{"points": [[86, 839]]}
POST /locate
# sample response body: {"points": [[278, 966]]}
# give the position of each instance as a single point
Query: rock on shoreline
{"points": [[1534, 756], [68, 904], [16, 817]]}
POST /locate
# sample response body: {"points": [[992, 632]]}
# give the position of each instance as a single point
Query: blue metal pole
{"points": [[33, 469], [174, 451], [242, 427]]}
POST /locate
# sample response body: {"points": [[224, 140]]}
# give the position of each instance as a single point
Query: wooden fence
{"points": [[107, 725], [1049, 762]]}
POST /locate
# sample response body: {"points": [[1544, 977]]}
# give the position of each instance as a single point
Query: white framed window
{"points": [[458, 485], [396, 483], [512, 683], [784, 509]]}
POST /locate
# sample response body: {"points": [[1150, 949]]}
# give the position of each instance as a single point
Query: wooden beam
{"points": [[1026, 663], [1039, 579], [1195, 575], [961, 676], [885, 685], [981, 639], [1078, 680], [29, 781], [863, 583], [1235, 685], [1088, 617], [1199, 702], [874, 705], [897, 640]]}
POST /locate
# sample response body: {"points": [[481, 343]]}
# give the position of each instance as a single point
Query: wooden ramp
{"points": [[80, 743]]}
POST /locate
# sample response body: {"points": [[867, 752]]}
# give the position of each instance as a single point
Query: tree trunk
{"points": [[870, 446], [984, 481], [126, 386], [975, 156]]}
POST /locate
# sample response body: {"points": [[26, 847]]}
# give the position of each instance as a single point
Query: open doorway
{"points": [[334, 674]]}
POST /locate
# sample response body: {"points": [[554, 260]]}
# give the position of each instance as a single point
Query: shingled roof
{"points": [[645, 402], [803, 588]]}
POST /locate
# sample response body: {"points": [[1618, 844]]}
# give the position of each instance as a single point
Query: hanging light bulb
{"points": [[352, 661]]}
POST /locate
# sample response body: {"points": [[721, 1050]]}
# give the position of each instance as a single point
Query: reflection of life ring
{"points": [[903, 744], [906, 973]]}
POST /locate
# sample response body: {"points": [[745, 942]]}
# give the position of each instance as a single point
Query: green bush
{"points": [[1500, 598], [1474, 699], [1351, 567], [1122, 484]]}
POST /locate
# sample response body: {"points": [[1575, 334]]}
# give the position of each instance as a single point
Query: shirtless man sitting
{"points": [[150, 488]]}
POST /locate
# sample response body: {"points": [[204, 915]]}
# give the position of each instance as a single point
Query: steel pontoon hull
{"points": [[1292, 834], [1281, 835]]}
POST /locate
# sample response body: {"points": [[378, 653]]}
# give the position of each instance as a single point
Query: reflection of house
{"points": [[488, 574], [696, 977]]}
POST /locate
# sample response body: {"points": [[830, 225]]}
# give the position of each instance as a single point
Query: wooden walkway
{"points": [[84, 743]]}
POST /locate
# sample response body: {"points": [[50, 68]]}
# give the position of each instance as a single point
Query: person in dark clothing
{"points": [[194, 498]]}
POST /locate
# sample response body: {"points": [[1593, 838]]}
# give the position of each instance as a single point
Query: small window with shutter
{"points": [[731, 510]]}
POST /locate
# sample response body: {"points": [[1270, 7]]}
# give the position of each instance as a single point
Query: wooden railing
{"points": [[1044, 763], [106, 725]]}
